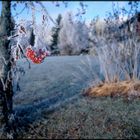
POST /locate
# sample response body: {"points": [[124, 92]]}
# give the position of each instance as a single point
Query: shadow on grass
{"points": [[28, 114]]}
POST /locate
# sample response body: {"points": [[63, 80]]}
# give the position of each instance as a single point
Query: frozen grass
{"points": [[49, 84], [53, 77], [118, 60], [55, 108], [97, 118]]}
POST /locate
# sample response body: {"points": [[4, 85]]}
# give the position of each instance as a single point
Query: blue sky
{"points": [[95, 8]]}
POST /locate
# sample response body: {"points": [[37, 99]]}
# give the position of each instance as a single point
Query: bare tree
{"points": [[6, 91]]}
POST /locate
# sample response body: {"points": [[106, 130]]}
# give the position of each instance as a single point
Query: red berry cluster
{"points": [[31, 54]]}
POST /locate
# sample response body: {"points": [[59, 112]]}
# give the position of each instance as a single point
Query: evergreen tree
{"points": [[55, 32], [32, 38]]}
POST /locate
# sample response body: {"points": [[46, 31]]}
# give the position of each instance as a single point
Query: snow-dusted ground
{"points": [[56, 81]]}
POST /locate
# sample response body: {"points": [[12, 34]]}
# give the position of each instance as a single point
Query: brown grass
{"points": [[125, 88]]}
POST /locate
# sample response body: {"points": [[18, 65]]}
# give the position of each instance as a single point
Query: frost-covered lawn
{"points": [[54, 82], [88, 118], [50, 104]]}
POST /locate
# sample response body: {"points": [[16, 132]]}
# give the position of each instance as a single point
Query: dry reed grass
{"points": [[124, 88]]}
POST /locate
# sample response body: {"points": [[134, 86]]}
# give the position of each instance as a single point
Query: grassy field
{"points": [[88, 118], [50, 103]]}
